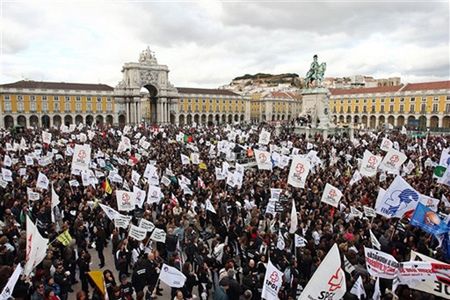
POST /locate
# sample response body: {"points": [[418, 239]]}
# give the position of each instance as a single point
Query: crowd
{"points": [[220, 231]]}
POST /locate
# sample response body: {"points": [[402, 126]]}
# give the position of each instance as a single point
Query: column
{"points": [[127, 111], [428, 121], [376, 121], [441, 121], [166, 119], [159, 111]]}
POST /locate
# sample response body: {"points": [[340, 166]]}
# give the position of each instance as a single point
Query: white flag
{"points": [[125, 200], [154, 194], [377, 292], [275, 194], [264, 137], [111, 213], [358, 288], [7, 175], [380, 264], [280, 241], [42, 182], [81, 157], [329, 279], [122, 221], [209, 206], [36, 247], [298, 172], [386, 144], [373, 239], [430, 202], [185, 159], [354, 212], [355, 178], [369, 164], [409, 167], [445, 200], [9, 287], [135, 177], [28, 160], [46, 137], [392, 161], [273, 280], [7, 161], [32, 196], [263, 160], [300, 241], [399, 198], [331, 195], [158, 235], [55, 202], [369, 212], [294, 219], [195, 158], [137, 233], [404, 130], [140, 195], [172, 277], [147, 225]]}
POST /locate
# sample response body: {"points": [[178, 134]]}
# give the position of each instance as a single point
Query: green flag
{"points": [[439, 171]]}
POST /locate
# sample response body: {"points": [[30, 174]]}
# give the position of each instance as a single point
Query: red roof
{"points": [[371, 90], [436, 85], [184, 90], [29, 84]]}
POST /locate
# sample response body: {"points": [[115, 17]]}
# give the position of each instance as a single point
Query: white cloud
{"points": [[207, 43]]}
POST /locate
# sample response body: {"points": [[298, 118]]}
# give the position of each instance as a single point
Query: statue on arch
{"points": [[147, 57], [314, 77]]}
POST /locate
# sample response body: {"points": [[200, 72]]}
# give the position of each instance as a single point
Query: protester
{"points": [[175, 196]]}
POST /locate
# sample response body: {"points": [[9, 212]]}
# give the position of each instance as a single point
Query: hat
{"points": [[123, 277]]}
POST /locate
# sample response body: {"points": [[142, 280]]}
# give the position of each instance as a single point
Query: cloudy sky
{"points": [[207, 43]]}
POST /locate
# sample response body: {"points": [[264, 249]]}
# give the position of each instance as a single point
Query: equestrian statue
{"points": [[314, 77]]}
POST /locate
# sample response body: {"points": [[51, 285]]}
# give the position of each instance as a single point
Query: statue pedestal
{"points": [[315, 102]]}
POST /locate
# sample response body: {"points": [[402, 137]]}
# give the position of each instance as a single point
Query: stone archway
{"points": [[391, 120], [217, 119], [242, 118], [412, 122], [99, 120], [356, 119], [348, 119], [210, 120], [364, 120], [341, 119], [230, 119], [236, 118], [422, 123], [109, 120], [68, 120], [181, 120], [147, 73], [8, 121], [373, 122], [57, 121], [196, 119], [122, 120], [89, 120], [45, 121], [78, 119], [381, 120], [34, 121], [22, 120], [224, 119], [203, 119], [189, 119], [446, 122], [400, 121], [434, 122]]}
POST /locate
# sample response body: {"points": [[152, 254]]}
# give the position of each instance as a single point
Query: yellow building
{"points": [[33, 103], [414, 105], [275, 106]]}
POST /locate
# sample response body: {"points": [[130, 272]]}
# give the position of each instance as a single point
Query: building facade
{"points": [[275, 106], [32, 103], [414, 105]]}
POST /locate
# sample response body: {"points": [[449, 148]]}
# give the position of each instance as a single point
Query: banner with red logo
{"points": [[392, 161], [331, 195], [386, 144], [81, 157], [369, 164], [380, 264], [328, 282], [272, 282], [299, 171], [263, 160], [125, 200]]}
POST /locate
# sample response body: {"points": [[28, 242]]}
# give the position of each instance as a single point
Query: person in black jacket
{"points": [[83, 265], [62, 279], [100, 242]]}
